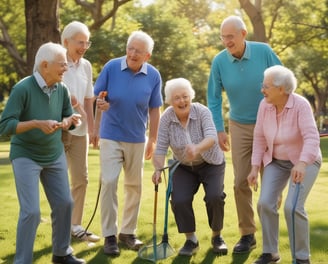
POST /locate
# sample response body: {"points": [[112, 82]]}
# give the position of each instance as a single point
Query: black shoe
{"points": [[219, 246], [110, 246], [303, 261], [189, 248], [245, 244], [267, 258], [69, 259], [130, 240]]}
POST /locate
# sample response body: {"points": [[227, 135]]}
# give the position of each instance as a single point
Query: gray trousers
{"points": [[275, 178], [185, 184], [54, 179]]}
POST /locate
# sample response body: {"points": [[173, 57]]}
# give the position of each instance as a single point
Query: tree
{"points": [[42, 25], [254, 12]]}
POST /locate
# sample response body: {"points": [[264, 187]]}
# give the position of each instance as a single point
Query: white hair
{"points": [[236, 21], [73, 28], [282, 76], [173, 84], [48, 52], [144, 37]]}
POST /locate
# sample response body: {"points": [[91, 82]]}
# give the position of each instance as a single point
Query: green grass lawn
{"points": [[316, 208]]}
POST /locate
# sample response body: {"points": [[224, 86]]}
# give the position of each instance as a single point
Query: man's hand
{"points": [[224, 142]]}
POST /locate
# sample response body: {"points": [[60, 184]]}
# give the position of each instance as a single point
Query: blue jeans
{"points": [[54, 179]]}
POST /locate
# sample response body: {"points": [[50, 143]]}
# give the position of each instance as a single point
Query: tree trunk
{"points": [[42, 25], [255, 15]]}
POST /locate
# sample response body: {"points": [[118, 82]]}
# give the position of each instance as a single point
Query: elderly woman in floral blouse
{"points": [[187, 128]]}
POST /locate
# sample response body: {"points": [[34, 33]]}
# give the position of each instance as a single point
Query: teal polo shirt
{"points": [[242, 80]]}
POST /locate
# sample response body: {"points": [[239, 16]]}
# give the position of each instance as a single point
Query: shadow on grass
{"points": [[36, 255], [98, 257], [4, 161], [240, 258]]}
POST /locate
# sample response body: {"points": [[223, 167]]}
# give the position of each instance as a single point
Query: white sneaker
{"points": [[79, 232]]}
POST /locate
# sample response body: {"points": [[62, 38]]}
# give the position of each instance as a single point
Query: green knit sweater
{"points": [[28, 102]]}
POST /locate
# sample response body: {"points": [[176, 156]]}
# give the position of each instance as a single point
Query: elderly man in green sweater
{"points": [[37, 110]]}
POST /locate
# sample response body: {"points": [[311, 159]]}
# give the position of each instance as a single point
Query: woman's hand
{"points": [[156, 178], [298, 172], [191, 152]]}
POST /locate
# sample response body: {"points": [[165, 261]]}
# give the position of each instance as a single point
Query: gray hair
{"points": [[282, 77], [72, 29], [144, 37], [173, 84], [236, 21], [48, 52]]}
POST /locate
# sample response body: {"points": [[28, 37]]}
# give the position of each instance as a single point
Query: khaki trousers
{"points": [[113, 156], [76, 150], [241, 153]]}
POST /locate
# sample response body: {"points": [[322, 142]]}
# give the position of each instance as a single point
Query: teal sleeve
{"points": [[214, 95]]}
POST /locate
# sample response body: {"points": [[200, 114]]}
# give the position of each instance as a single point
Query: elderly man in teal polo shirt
{"points": [[238, 70]]}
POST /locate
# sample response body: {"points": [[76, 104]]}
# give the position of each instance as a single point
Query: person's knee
{"points": [[288, 208], [265, 206], [32, 215], [180, 205], [241, 186], [215, 200]]}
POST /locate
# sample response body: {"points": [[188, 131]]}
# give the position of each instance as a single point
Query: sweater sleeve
{"points": [[309, 132], [214, 95], [259, 142]]}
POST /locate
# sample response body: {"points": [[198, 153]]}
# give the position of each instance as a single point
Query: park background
{"points": [[186, 34]]}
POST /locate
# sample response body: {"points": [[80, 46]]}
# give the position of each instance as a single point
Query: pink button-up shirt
{"points": [[300, 135]]}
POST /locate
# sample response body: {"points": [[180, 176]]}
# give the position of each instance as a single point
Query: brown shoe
{"points": [[130, 240], [111, 247]]}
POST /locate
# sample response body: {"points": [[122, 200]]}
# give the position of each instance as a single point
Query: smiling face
{"points": [[136, 54], [181, 102], [272, 94], [77, 46], [53, 71], [233, 39]]}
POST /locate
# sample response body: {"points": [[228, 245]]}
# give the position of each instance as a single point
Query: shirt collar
{"points": [[192, 113], [246, 55], [43, 85], [124, 66]]}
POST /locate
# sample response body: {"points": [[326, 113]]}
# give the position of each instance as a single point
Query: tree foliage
{"points": [[186, 34]]}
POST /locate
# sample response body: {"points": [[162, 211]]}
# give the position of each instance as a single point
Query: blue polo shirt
{"points": [[130, 96], [242, 80]]}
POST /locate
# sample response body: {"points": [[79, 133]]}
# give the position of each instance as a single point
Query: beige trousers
{"points": [[113, 157], [241, 153], [76, 150]]}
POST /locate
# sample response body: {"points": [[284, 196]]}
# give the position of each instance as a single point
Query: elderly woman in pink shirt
{"points": [[287, 144]]}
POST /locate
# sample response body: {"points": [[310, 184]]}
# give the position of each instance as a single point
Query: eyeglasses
{"points": [[227, 37], [62, 64], [82, 44], [177, 99], [265, 86], [136, 51]]}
